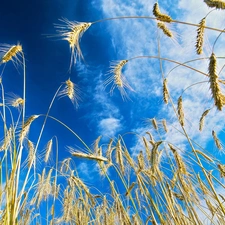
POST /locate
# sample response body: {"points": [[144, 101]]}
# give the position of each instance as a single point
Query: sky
{"points": [[32, 24]]}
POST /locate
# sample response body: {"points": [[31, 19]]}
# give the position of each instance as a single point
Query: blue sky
{"points": [[99, 113]]}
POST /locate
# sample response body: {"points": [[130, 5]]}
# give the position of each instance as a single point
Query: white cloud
{"points": [[109, 126], [135, 37]]}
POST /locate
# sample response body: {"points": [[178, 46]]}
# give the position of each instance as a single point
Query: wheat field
{"points": [[162, 180]]}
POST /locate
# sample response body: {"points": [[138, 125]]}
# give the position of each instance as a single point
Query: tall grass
{"points": [[157, 185]]}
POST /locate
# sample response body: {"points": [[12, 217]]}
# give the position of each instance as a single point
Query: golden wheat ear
{"points": [[72, 32], [218, 4], [72, 91], [160, 16], [214, 83], [117, 79], [200, 36], [11, 53]]}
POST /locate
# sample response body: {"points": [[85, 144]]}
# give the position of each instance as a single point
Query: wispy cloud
{"points": [[137, 37]]}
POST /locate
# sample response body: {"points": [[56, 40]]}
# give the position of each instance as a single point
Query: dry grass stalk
{"points": [[12, 52], [214, 84], [72, 32], [154, 123], [180, 111], [218, 4], [200, 36], [88, 156], [222, 170], [165, 29], [48, 151], [26, 127], [160, 16], [201, 121], [165, 91], [164, 125], [217, 141]]}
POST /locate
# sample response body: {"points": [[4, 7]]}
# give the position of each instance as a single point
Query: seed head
{"points": [[165, 29], [11, 53], [180, 111], [214, 84], [72, 91], [218, 4], [72, 32], [118, 79], [200, 36], [160, 16]]}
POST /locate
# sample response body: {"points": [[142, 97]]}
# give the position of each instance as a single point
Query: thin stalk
{"points": [[153, 18]]}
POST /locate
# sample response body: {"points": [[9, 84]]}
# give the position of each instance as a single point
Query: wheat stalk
{"points": [[218, 97], [200, 36], [160, 16]]}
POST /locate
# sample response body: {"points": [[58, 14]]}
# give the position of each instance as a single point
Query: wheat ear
{"points": [[48, 151], [72, 91], [180, 111], [201, 121], [200, 36], [165, 91], [217, 141], [12, 52], [72, 32], [154, 123], [214, 84], [218, 4], [165, 29], [26, 127], [160, 16], [222, 170], [117, 78], [164, 125]]}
